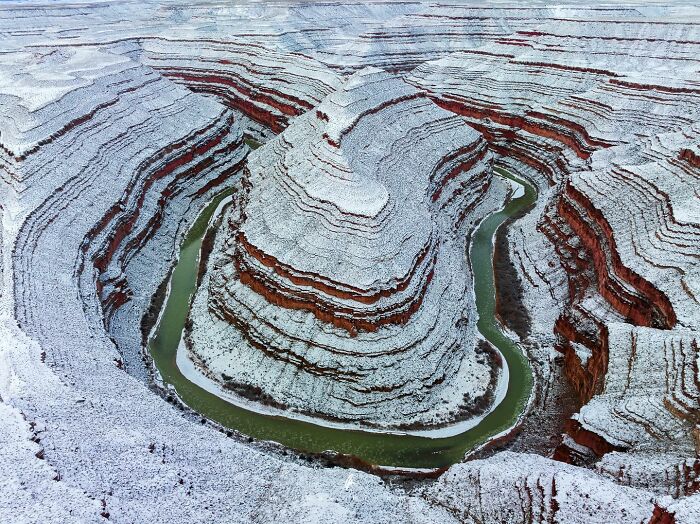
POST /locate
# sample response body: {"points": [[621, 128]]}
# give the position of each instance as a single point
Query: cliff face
{"points": [[118, 121], [268, 86], [616, 150], [546, 491], [70, 148], [354, 226], [631, 212]]}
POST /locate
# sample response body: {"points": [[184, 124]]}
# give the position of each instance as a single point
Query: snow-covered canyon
{"points": [[120, 120]]}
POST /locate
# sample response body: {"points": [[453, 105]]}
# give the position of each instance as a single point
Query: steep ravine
{"points": [[120, 121]]}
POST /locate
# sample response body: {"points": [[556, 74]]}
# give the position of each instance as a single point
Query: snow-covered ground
{"points": [[118, 123]]}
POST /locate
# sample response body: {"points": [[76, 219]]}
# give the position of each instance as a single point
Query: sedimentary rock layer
{"points": [[104, 124], [265, 84], [617, 149], [545, 492], [345, 277], [104, 163]]}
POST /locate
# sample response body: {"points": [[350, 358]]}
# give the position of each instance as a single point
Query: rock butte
{"points": [[118, 121], [343, 274]]}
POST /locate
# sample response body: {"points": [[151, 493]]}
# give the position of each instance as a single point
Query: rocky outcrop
{"points": [[268, 86], [541, 491], [354, 227], [639, 238], [683, 511], [70, 147], [105, 161], [650, 396], [616, 149]]}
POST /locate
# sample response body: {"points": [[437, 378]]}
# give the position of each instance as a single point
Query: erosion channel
{"points": [[377, 448]]}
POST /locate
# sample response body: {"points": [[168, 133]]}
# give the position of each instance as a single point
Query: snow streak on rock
{"points": [[346, 279], [268, 86], [540, 490], [119, 120], [617, 149]]}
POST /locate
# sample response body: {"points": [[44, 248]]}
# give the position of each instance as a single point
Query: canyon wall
{"points": [[343, 274], [119, 121], [611, 143], [268, 86]]}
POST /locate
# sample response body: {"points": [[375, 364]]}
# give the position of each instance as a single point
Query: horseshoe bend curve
{"points": [[423, 447], [337, 285]]}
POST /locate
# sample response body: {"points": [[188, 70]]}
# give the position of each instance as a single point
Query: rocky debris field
{"points": [[338, 277]]}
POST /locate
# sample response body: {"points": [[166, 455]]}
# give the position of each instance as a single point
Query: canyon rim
{"points": [[388, 261]]}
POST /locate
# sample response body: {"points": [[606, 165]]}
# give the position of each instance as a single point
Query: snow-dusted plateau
{"points": [[378, 262]]}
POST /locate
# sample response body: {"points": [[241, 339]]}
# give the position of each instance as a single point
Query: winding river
{"points": [[386, 449]]}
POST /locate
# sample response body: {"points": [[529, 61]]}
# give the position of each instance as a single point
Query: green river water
{"points": [[376, 448]]}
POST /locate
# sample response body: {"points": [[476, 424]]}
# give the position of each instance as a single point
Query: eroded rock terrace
{"points": [[119, 121], [346, 279]]}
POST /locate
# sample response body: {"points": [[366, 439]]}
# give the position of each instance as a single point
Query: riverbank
{"points": [[389, 448]]}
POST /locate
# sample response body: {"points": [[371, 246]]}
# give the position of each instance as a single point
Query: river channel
{"points": [[386, 449]]}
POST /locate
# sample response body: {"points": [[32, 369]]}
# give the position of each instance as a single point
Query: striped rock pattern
{"points": [[90, 103], [617, 149], [539, 490], [347, 279], [268, 86], [104, 162]]}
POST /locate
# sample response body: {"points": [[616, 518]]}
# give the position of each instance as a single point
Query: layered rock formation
{"points": [[105, 162], [103, 125], [268, 86], [616, 151], [344, 274], [545, 492]]}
